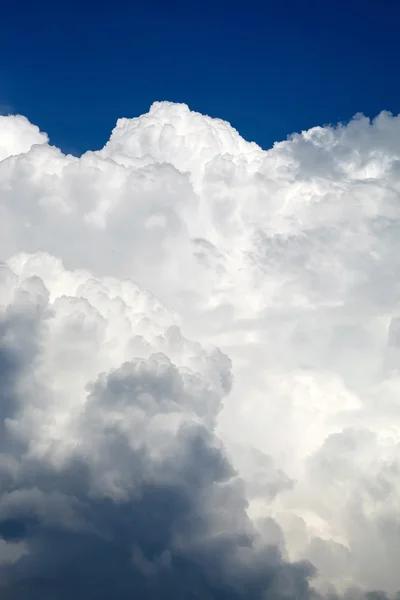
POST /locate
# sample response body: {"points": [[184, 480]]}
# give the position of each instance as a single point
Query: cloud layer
{"points": [[199, 362]]}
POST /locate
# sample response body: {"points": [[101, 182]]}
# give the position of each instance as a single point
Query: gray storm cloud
{"points": [[199, 362]]}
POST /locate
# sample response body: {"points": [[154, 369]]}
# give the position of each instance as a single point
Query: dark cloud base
{"points": [[169, 538], [161, 540]]}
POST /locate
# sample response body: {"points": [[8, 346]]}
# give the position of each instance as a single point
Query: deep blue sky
{"points": [[270, 68]]}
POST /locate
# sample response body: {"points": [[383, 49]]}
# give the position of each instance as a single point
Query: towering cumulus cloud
{"points": [[200, 363]]}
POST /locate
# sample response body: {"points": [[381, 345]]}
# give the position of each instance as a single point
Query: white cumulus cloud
{"points": [[199, 361]]}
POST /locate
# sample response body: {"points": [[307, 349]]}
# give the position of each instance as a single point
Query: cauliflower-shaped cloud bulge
{"points": [[136, 462], [18, 135]]}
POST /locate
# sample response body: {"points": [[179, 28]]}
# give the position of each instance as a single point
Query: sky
{"points": [[199, 335], [270, 69]]}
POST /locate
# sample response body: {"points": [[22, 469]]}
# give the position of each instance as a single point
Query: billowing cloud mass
{"points": [[199, 363]]}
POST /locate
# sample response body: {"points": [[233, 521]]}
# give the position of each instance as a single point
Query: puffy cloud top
{"points": [[18, 136], [171, 133], [199, 362]]}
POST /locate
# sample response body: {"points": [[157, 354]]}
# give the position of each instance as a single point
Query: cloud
{"points": [[261, 459], [18, 136], [113, 480]]}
